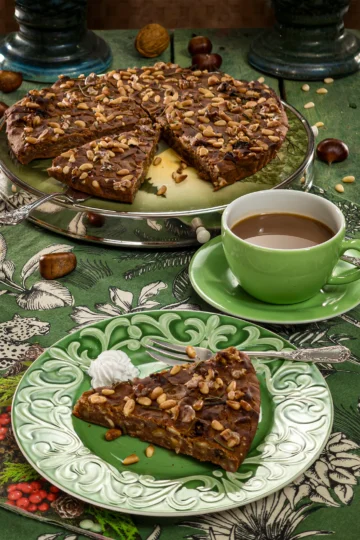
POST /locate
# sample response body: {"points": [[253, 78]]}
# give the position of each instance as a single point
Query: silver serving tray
{"points": [[149, 229]]}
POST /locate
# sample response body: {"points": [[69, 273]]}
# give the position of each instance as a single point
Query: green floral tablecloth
{"points": [[35, 313]]}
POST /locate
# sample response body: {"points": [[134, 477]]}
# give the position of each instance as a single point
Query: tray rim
{"points": [[182, 213]]}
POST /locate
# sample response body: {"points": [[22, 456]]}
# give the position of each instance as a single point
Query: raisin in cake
{"points": [[208, 410]]}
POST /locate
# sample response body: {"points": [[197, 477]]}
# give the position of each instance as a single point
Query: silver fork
{"points": [[174, 354]]}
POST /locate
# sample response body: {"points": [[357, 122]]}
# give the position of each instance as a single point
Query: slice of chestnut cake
{"points": [[208, 410], [113, 167]]}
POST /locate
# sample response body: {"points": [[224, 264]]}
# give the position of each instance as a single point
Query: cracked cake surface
{"points": [[208, 410], [227, 129]]}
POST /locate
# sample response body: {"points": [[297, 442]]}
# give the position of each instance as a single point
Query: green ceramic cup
{"points": [[283, 276]]}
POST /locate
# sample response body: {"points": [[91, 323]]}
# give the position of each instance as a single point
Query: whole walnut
{"points": [[152, 40]]}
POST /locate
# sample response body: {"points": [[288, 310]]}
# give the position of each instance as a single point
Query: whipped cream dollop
{"points": [[111, 367]]}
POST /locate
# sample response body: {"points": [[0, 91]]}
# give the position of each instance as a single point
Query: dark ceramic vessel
{"points": [[308, 41], [53, 39]]}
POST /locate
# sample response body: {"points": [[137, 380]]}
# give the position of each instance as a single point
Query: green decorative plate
{"points": [[213, 280], [295, 421]]}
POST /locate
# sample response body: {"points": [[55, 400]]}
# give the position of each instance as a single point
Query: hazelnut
{"points": [[10, 81], [152, 40], [199, 45]]}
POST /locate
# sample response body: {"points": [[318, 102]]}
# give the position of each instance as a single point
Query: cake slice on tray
{"points": [[208, 410], [113, 167]]}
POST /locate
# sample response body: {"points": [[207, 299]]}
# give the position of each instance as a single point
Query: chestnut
{"points": [[199, 45], [96, 220], [3, 108], [10, 81], [332, 150], [211, 62]]}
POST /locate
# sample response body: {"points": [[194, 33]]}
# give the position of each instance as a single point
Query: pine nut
{"points": [[129, 407], [161, 398], [157, 160], [328, 80], [198, 405], [130, 460], [175, 370], [113, 434], [190, 351], [149, 452], [233, 405], [305, 87], [204, 387], [96, 399], [107, 391], [156, 392], [348, 179], [167, 404], [215, 424], [261, 80], [309, 105], [143, 400], [245, 405], [161, 191], [339, 188], [231, 386], [95, 184], [321, 91]]}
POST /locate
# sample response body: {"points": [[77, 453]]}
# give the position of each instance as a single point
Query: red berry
{"points": [[43, 507], [12, 487], [11, 503], [52, 497], [22, 503], [54, 489], [32, 508], [42, 493], [35, 486], [35, 498], [3, 430], [25, 487], [2, 437], [8, 408], [4, 421], [14, 495]]}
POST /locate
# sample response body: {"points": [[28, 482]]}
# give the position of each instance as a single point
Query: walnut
{"points": [[152, 40]]}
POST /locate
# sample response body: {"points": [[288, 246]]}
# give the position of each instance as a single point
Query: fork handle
{"points": [[328, 355], [19, 214]]}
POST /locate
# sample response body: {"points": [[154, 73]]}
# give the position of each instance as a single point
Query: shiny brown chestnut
{"points": [[96, 220], [10, 81], [332, 150], [3, 108], [211, 62], [199, 45]]}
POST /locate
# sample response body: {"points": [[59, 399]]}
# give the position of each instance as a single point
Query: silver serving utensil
{"points": [[19, 214], [175, 354]]}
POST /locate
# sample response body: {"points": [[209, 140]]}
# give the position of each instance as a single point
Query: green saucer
{"points": [[213, 280]]}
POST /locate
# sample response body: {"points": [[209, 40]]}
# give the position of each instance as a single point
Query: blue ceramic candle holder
{"points": [[52, 39], [309, 41]]}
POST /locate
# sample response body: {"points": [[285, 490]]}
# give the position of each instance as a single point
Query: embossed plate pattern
{"points": [[296, 418]]}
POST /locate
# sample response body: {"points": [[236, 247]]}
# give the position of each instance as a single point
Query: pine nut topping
{"points": [[143, 400], [233, 405], [309, 105], [261, 80], [129, 407], [190, 351], [339, 188], [231, 386], [130, 460], [328, 80], [96, 399], [161, 398], [175, 370], [348, 179], [113, 434], [198, 405], [86, 166], [319, 124], [108, 391], [149, 452], [66, 169], [203, 387], [31, 140], [305, 87], [82, 106], [82, 176], [321, 91], [215, 424], [168, 404], [156, 392]]}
